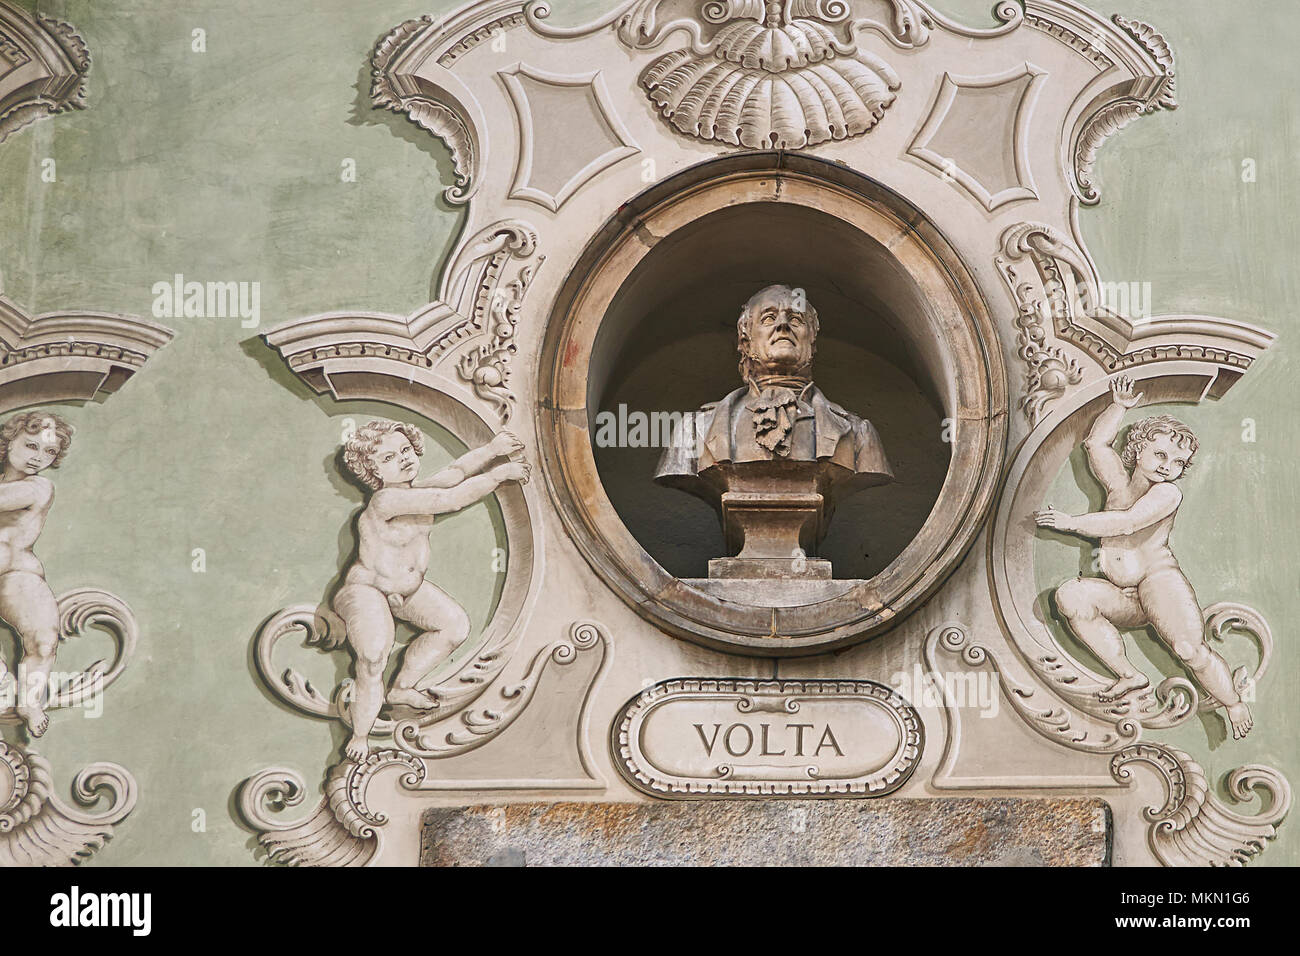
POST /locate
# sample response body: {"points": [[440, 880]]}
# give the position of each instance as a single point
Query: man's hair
{"points": [[33, 423], [1149, 429], [747, 313], [358, 449]]}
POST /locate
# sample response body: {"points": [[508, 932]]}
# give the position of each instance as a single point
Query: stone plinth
{"points": [[774, 515], [905, 832]]}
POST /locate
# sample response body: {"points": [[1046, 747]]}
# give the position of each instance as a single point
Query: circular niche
{"points": [[646, 323]]}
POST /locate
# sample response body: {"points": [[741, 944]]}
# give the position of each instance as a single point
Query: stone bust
{"points": [[775, 437], [779, 413]]}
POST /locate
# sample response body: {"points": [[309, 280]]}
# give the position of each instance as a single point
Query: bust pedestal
{"points": [[774, 514]]}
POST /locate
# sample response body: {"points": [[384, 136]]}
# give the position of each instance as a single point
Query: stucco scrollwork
{"points": [[39, 829], [464, 340], [1116, 115], [343, 829], [43, 67], [1059, 296], [1193, 827], [447, 112]]}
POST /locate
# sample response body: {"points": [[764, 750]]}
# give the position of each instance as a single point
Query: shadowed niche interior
{"points": [[668, 344]]}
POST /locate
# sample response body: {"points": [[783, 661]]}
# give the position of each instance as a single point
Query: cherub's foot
{"points": [[36, 719], [419, 699], [1123, 687], [1239, 717], [358, 748]]}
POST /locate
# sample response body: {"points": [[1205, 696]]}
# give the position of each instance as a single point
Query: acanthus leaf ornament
{"points": [[427, 111], [487, 366], [342, 830], [38, 829], [1117, 114], [1193, 827]]}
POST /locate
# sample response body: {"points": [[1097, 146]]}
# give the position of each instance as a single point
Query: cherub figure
{"points": [[1141, 581], [386, 581], [30, 442]]}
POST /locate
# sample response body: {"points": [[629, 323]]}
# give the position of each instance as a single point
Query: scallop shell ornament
{"points": [[783, 83]]}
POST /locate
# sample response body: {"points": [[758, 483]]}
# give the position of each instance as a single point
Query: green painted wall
{"points": [[226, 166]]}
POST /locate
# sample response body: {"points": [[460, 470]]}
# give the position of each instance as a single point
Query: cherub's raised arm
{"points": [[393, 502], [1153, 507], [1102, 458], [471, 463]]}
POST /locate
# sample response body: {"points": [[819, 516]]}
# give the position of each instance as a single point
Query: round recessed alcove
{"points": [[645, 327]]}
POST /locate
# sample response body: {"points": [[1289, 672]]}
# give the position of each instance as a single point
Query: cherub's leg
{"points": [[369, 623], [1175, 615], [445, 626], [1094, 607], [28, 606]]}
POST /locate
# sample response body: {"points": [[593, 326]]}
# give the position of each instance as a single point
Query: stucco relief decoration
{"points": [[36, 828], [781, 74], [68, 356], [1029, 358], [956, 138], [592, 139], [446, 698], [43, 67]]}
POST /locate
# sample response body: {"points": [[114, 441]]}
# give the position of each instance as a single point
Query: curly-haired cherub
{"points": [[30, 442], [1142, 583], [386, 580]]}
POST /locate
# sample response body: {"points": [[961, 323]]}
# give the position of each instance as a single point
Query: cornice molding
{"points": [[72, 355]]}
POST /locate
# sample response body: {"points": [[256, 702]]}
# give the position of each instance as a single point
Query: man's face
{"points": [[32, 454], [395, 460], [780, 332], [1163, 459]]}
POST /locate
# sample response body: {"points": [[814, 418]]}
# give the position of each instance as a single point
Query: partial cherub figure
{"points": [[1142, 583], [30, 442], [386, 581]]}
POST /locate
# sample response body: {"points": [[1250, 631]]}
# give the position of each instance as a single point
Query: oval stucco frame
{"points": [[960, 323]]}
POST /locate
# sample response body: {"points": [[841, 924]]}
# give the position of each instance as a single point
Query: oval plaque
{"points": [[704, 737]]}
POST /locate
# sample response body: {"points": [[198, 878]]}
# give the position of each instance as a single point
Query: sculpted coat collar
{"points": [[832, 424]]}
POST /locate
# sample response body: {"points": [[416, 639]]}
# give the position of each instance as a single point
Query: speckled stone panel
{"points": [[904, 832]]}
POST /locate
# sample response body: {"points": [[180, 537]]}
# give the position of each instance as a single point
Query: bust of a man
{"points": [[776, 436]]}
